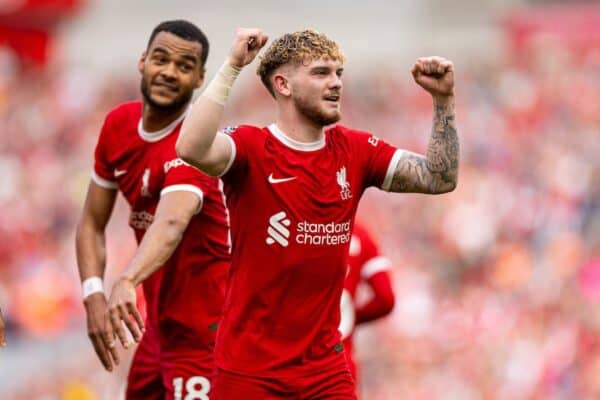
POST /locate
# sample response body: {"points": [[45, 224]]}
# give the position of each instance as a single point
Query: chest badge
{"points": [[342, 180], [145, 190]]}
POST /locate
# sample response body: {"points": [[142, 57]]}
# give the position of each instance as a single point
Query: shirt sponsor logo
{"points": [[342, 180], [307, 233], [177, 162], [329, 234], [277, 230], [373, 141]]}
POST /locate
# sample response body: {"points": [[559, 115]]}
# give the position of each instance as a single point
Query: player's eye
{"points": [[186, 67]]}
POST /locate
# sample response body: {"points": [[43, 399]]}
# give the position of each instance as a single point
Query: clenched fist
{"points": [[246, 45], [434, 74]]}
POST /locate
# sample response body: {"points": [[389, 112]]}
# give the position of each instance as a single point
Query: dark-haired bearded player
{"points": [[180, 222], [292, 189]]}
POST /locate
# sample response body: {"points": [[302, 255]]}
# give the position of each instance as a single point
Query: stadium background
{"points": [[498, 283]]}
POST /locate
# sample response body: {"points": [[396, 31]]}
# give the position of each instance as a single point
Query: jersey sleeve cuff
{"points": [[374, 266], [231, 158], [389, 175], [105, 183], [187, 188]]}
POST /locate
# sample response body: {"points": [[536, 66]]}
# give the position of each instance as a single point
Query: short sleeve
{"points": [[240, 138], [380, 160], [180, 176], [374, 261], [103, 174]]}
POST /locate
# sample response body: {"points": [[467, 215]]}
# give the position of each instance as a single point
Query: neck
{"points": [[298, 127], [155, 119]]}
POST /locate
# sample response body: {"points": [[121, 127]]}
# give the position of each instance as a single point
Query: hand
{"points": [[246, 46], [2, 334], [121, 306], [434, 74], [96, 308]]}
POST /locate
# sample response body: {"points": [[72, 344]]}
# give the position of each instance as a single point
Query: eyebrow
{"points": [[326, 68], [187, 57]]}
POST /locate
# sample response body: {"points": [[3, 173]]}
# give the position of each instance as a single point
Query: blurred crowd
{"points": [[497, 283]]}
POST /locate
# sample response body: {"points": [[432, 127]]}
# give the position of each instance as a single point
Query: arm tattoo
{"points": [[438, 172]]}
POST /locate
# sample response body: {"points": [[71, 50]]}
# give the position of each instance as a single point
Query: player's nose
{"points": [[169, 71]]}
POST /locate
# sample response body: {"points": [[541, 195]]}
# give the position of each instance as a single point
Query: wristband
{"points": [[92, 285], [219, 88]]}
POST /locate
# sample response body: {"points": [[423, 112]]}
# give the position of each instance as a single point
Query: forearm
{"points": [[197, 144], [90, 246], [437, 172], [382, 302], [159, 243], [199, 130], [443, 148]]}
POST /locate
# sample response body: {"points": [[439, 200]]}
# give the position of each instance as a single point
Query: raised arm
{"points": [[437, 172], [90, 242], [200, 143], [173, 214]]}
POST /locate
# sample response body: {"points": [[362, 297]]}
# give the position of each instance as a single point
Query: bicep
{"points": [[178, 206], [412, 175], [218, 158]]}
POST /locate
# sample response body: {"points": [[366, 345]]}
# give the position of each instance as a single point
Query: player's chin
{"points": [[329, 118], [331, 114], [164, 101]]}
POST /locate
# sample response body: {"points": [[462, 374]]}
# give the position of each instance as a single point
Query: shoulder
{"points": [[125, 112], [242, 130], [342, 132], [246, 135]]}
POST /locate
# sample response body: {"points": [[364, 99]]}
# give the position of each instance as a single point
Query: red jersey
{"points": [[185, 297], [365, 266], [292, 208]]}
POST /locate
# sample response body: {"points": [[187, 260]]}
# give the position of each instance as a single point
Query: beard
{"points": [[315, 113], [176, 104]]}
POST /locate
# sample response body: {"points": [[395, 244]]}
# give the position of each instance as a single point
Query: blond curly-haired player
{"points": [[292, 189]]}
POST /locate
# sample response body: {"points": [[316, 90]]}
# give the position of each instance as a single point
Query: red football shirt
{"points": [[364, 263], [185, 297], [292, 207]]}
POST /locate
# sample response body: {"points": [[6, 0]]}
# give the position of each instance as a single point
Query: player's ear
{"points": [[281, 84], [200, 79], [141, 62]]}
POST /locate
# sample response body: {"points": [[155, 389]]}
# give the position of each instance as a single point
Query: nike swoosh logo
{"points": [[119, 172], [280, 180]]}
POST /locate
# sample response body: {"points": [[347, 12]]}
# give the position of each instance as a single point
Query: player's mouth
{"points": [[167, 86], [332, 98]]}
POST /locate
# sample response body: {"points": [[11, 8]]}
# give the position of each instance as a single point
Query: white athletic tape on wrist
{"points": [[92, 285], [219, 88]]}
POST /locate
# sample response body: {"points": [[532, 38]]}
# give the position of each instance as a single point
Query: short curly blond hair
{"points": [[296, 47]]}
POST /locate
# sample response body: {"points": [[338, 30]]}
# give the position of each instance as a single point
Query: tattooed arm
{"points": [[437, 172]]}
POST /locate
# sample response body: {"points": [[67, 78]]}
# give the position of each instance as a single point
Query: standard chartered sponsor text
{"points": [[329, 234]]}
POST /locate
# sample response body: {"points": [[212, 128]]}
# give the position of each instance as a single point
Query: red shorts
{"points": [[333, 383], [169, 375]]}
